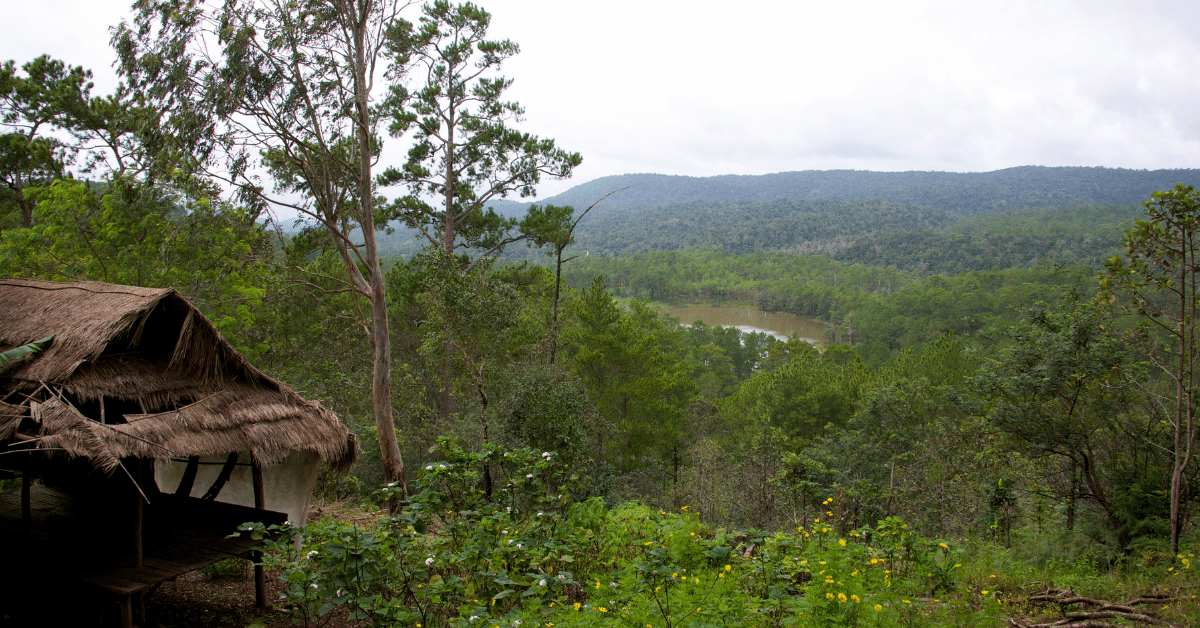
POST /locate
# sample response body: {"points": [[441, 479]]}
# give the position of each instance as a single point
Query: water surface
{"points": [[778, 324]]}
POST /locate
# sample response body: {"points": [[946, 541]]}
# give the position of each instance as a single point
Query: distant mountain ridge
{"points": [[966, 193]]}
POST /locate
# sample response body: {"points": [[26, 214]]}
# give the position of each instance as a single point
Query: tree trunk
{"points": [[381, 342], [557, 293]]}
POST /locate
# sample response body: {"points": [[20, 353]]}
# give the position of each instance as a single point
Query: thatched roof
{"points": [[150, 350]]}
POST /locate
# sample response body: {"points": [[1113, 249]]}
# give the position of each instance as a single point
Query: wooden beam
{"points": [[222, 477], [189, 477]]}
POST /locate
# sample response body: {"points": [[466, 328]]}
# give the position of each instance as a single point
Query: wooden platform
{"points": [[89, 538]]}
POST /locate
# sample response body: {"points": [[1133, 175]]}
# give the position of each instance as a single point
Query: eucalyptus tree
{"points": [[284, 86], [1161, 279]]}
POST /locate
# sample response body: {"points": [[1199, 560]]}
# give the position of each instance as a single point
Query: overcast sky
{"points": [[704, 88]]}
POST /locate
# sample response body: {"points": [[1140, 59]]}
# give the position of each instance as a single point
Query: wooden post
{"points": [[26, 487], [137, 519], [260, 502], [126, 612]]}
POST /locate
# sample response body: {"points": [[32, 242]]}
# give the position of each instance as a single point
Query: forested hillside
{"points": [[966, 193], [929, 221]]}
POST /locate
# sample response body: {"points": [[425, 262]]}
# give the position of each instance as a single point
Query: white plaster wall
{"points": [[287, 486]]}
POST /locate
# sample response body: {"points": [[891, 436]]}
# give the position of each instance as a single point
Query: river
{"points": [[778, 324]]}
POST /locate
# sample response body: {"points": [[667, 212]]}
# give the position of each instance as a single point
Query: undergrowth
{"points": [[528, 555]]}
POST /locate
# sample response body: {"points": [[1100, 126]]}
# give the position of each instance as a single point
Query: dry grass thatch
{"points": [[152, 350]]}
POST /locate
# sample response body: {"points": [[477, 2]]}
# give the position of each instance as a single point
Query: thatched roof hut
{"points": [[137, 379], [141, 373]]}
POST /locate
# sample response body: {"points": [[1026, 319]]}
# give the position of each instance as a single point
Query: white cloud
{"points": [[704, 88]]}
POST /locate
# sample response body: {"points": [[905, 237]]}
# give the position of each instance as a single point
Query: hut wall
{"points": [[287, 486]]}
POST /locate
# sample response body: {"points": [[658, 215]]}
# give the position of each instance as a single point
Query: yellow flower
{"points": [[842, 542], [984, 592], [944, 545], [907, 602], [727, 567], [878, 607], [854, 573], [829, 596], [874, 561], [697, 581], [603, 610], [720, 575], [577, 605], [855, 598], [842, 598]]}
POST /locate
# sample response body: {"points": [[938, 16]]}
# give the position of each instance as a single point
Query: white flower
{"points": [[504, 532], [612, 584], [339, 593], [561, 577], [314, 585], [473, 618], [518, 546], [541, 583], [540, 514], [429, 561], [429, 467], [508, 509], [311, 554], [287, 523], [510, 541], [516, 622], [529, 475], [545, 454], [441, 466]]}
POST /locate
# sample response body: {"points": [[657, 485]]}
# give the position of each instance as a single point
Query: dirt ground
{"points": [[221, 596]]}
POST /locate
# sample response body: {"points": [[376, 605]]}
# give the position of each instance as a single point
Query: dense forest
{"points": [[995, 431]]}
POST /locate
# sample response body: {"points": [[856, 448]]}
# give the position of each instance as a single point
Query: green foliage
{"points": [[1070, 236], [1062, 391], [629, 365], [135, 234], [546, 408], [454, 557], [802, 397]]}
